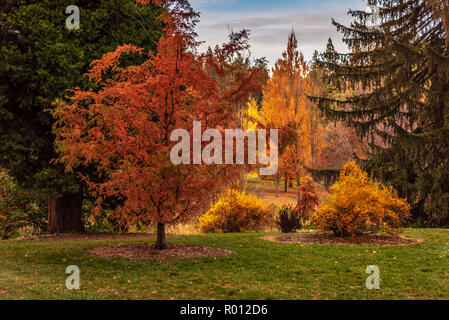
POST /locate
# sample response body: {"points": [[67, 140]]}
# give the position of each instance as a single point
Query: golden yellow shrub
{"points": [[357, 205], [236, 212]]}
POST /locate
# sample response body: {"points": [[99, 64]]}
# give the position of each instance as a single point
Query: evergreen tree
{"points": [[395, 82], [40, 59]]}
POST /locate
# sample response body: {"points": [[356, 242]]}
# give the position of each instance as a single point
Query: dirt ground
{"points": [[147, 252], [91, 237]]}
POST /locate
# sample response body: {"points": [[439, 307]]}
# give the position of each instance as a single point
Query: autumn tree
{"points": [[239, 76], [125, 127], [285, 106]]}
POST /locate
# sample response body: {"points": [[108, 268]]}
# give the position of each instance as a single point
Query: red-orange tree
{"points": [[124, 127]]}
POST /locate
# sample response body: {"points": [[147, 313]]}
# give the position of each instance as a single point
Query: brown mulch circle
{"points": [[326, 238], [91, 237], [136, 251]]}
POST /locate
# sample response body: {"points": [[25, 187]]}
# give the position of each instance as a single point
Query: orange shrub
{"points": [[309, 200], [357, 205]]}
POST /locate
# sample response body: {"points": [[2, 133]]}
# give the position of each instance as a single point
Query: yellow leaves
{"points": [[235, 212], [251, 116], [358, 205]]}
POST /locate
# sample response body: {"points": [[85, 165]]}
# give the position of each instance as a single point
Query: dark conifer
{"points": [[395, 82]]}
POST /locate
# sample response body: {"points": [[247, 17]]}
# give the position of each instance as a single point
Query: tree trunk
{"points": [[161, 243], [445, 20], [64, 213], [298, 184], [286, 184], [242, 182], [277, 185]]}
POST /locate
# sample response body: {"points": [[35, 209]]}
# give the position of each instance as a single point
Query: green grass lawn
{"points": [[259, 270]]}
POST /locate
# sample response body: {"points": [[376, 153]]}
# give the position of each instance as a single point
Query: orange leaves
{"points": [[238, 77], [309, 199], [153, 2], [287, 107], [358, 205], [110, 62], [123, 128]]}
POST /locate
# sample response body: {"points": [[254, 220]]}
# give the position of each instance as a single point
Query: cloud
{"points": [[270, 28]]}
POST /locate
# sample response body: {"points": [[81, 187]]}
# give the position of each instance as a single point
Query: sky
{"points": [[270, 23]]}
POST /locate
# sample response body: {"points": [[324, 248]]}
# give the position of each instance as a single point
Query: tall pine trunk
{"points": [[64, 213], [161, 243]]}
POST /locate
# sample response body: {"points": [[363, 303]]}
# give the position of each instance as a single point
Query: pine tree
{"points": [[395, 82]]}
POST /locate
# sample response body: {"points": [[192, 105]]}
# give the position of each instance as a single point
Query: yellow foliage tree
{"points": [[357, 205]]}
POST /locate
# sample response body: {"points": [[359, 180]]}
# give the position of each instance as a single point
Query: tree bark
{"points": [[242, 182], [64, 213], [277, 185], [161, 243], [298, 184]]}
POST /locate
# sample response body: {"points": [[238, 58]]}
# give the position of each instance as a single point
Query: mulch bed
{"points": [[147, 252], [326, 238], [91, 237]]}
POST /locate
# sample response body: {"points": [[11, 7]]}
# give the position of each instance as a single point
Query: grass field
{"points": [[259, 270]]}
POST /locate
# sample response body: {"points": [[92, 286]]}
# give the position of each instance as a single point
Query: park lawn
{"points": [[259, 270]]}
